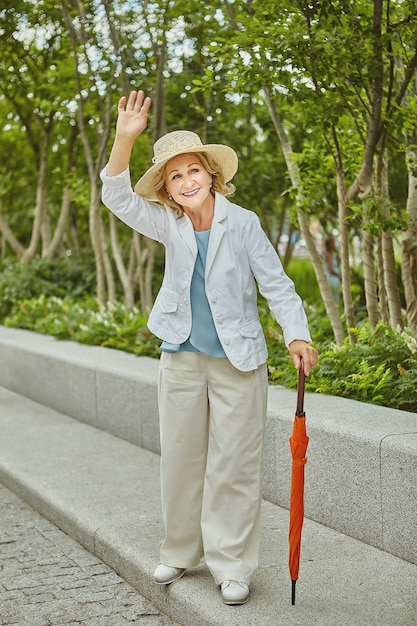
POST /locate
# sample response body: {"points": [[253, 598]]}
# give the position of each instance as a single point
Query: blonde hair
{"points": [[210, 166]]}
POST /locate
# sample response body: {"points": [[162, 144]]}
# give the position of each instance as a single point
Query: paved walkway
{"points": [[47, 579], [104, 493]]}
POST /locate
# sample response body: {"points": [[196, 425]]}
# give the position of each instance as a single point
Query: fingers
{"points": [[131, 101], [303, 350], [308, 366], [147, 104], [142, 104], [135, 102], [310, 358], [122, 103]]}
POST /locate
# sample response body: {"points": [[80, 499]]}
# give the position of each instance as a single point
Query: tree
{"points": [[31, 68], [323, 63], [317, 98], [409, 234]]}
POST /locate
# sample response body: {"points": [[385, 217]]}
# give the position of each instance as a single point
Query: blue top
{"points": [[203, 336]]}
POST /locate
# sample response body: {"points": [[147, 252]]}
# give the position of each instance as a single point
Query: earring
{"points": [[169, 197]]}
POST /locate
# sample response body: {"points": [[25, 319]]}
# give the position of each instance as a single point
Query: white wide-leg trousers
{"points": [[212, 420]]}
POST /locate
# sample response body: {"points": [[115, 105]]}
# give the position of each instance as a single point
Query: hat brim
{"points": [[224, 157]]}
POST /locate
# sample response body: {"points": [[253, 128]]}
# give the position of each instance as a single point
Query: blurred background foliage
{"points": [[54, 298], [319, 99]]}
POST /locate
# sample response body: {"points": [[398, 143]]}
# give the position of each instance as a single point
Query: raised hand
{"points": [[133, 114], [131, 122]]}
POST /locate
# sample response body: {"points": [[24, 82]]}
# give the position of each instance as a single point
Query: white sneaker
{"points": [[234, 592], [164, 574]]}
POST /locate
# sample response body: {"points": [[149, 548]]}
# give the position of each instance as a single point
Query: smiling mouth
{"points": [[191, 194]]}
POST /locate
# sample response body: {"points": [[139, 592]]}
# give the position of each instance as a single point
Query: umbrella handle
{"points": [[300, 396]]}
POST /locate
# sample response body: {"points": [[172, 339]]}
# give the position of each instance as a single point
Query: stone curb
{"points": [[103, 492], [361, 476]]}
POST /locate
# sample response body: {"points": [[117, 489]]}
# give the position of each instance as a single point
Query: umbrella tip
{"points": [[293, 592]]}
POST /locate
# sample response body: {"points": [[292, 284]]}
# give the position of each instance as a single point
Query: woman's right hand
{"points": [[133, 114], [131, 122]]}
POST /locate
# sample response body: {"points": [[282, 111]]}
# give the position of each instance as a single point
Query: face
{"points": [[188, 182]]}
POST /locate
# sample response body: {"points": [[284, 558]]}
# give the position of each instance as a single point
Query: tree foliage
{"points": [[317, 98]]}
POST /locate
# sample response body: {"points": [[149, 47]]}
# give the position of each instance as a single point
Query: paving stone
{"points": [[47, 579]]}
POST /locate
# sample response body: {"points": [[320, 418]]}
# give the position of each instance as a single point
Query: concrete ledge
{"points": [[361, 476], [104, 493], [108, 389]]}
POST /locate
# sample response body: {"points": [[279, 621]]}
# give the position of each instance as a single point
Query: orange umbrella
{"points": [[298, 445]]}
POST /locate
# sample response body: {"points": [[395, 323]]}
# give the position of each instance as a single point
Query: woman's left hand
{"points": [[302, 350]]}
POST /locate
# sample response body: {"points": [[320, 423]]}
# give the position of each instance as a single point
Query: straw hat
{"points": [[181, 142]]}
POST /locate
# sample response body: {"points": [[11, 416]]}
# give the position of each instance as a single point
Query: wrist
{"points": [[122, 141]]}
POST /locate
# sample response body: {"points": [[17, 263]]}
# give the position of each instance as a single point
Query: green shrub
{"points": [[380, 368], [84, 321], [50, 277], [301, 272]]}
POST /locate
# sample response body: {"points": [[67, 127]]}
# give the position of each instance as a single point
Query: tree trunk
{"points": [[56, 241], [390, 274], [133, 267], [129, 298], [158, 118], [370, 282], [409, 244], [323, 283], [382, 290], [141, 269], [40, 207], [96, 241], [9, 238], [329, 303], [95, 145], [290, 246], [344, 254], [108, 270]]}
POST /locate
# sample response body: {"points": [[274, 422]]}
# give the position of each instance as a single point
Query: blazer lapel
{"points": [[217, 230], [186, 230]]}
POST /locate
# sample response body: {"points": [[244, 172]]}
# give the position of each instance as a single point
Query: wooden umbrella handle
{"points": [[300, 396]]}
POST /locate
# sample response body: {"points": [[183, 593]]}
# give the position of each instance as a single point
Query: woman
{"points": [[213, 378]]}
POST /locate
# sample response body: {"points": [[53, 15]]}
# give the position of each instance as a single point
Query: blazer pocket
{"points": [[251, 329], [168, 301]]}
